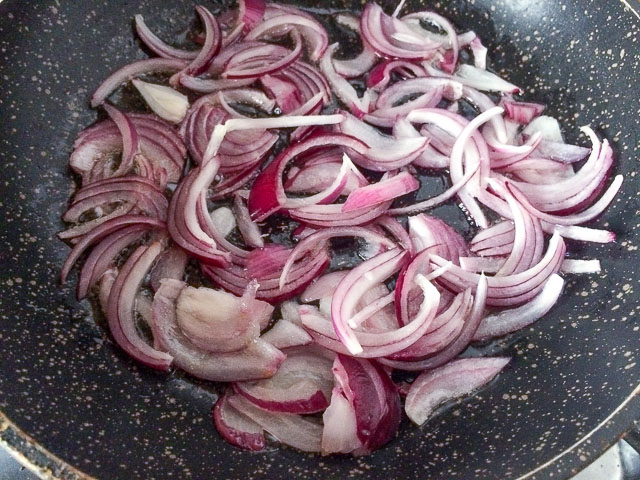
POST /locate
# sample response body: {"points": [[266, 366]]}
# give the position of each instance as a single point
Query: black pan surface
{"points": [[65, 387]]}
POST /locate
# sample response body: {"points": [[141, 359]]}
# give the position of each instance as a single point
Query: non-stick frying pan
{"points": [[66, 392]]}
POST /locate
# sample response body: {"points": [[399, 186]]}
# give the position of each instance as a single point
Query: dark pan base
{"points": [[65, 385]]}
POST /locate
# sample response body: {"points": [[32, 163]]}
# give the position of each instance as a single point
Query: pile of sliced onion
{"points": [[263, 123]]}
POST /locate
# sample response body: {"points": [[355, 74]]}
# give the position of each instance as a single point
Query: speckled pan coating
{"points": [[64, 384]]}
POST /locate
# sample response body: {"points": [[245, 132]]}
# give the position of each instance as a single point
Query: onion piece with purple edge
{"points": [[120, 310], [267, 191], [508, 321], [133, 70], [101, 232], [258, 360], [321, 237], [248, 228], [383, 191], [374, 398], [210, 48], [376, 344], [159, 47], [301, 432], [302, 384], [353, 286], [236, 428], [217, 321], [171, 263], [458, 378]]}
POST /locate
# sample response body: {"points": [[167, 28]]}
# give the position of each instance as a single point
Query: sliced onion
{"points": [[133, 70], [120, 310], [258, 360], [363, 62], [341, 87], [458, 378], [100, 232], [381, 192], [302, 384], [248, 228], [374, 398], [351, 288], [236, 428], [514, 319], [522, 112], [159, 47], [171, 263], [303, 433]]}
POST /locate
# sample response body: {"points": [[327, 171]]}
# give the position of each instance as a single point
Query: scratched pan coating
{"points": [[73, 404]]}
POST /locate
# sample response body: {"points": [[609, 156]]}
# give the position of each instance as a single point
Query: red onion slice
{"points": [[120, 309], [130, 140], [302, 384], [522, 112], [159, 47], [100, 232], [311, 30], [515, 319], [248, 228], [353, 286], [340, 432], [374, 398], [458, 378], [286, 334], [250, 13], [341, 87], [217, 321], [133, 70], [581, 266], [381, 32], [210, 48], [381, 192], [303, 433], [103, 255], [267, 192], [236, 428], [171, 263], [321, 237], [258, 360]]}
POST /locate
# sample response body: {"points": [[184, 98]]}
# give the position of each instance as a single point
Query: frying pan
{"points": [[74, 405]]}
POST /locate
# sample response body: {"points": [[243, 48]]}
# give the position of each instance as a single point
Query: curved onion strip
{"points": [[286, 334], [515, 319], [458, 378], [322, 236], [376, 344], [210, 48], [126, 73], [303, 433], [100, 232], [451, 62], [302, 385], [157, 46], [374, 397], [236, 428], [120, 314], [353, 286], [341, 87], [130, 140], [102, 256], [248, 228], [510, 289], [267, 191], [259, 65], [314, 33], [383, 191]]}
